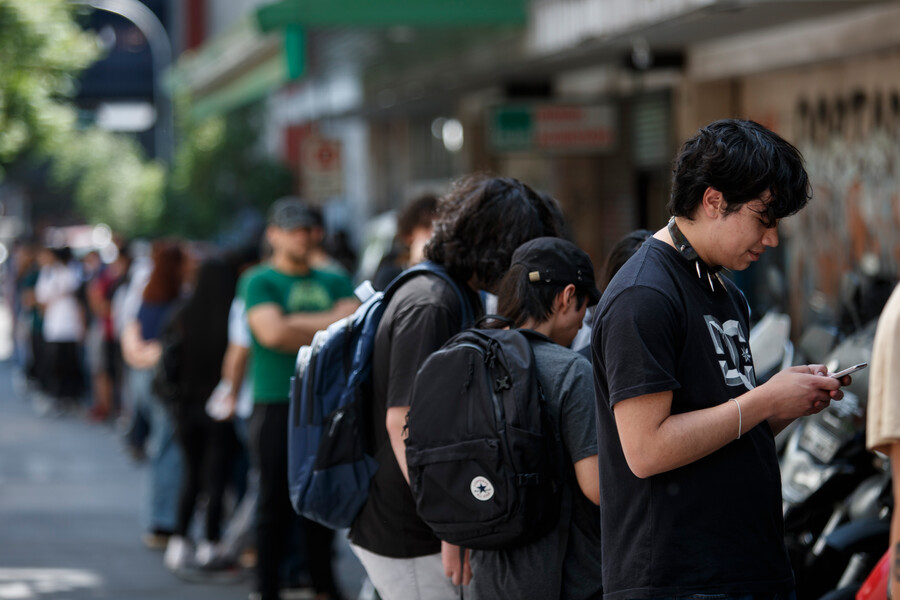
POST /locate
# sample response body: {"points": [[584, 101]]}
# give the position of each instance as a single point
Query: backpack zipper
{"points": [[310, 370], [489, 359]]}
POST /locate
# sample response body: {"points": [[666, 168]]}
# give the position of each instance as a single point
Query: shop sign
{"points": [[322, 168], [553, 128]]}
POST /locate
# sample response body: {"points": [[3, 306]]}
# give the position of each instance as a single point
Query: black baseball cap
{"points": [[291, 212], [558, 261]]}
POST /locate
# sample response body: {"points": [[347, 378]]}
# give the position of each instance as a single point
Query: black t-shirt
{"points": [[423, 314], [713, 526]]}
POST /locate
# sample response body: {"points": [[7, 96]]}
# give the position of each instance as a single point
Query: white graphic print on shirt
{"points": [[733, 351]]}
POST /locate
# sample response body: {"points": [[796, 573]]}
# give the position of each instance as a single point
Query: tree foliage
{"points": [[220, 170], [112, 182], [42, 49]]}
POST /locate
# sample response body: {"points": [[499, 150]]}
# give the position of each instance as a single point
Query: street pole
{"points": [[161, 58]]}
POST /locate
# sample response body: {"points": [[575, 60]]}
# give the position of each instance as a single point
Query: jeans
{"points": [[163, 477]]}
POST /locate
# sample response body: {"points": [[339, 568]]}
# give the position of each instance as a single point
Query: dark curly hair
{"points": [[482, 221], [741, 159]]}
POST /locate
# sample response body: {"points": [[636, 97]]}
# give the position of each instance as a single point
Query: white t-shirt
{"points": [[239, 335], [55, 289], [883, 408]]}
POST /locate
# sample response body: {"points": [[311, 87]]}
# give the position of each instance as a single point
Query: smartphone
{"points": [[849, 370]]}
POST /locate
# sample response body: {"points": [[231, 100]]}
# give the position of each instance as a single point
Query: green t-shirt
{"points": [[314, 292]]}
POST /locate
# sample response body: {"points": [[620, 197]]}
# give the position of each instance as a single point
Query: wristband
{"points": [[740, 418]]}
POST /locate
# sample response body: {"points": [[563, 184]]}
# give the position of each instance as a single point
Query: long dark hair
{"points": [[202, 323], [482, 221]]}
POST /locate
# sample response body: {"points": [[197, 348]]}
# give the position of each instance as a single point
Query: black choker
{"points": [[687, 251]]}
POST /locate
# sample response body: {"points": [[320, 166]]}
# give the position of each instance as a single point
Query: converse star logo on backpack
{"points": [[482, 489]]}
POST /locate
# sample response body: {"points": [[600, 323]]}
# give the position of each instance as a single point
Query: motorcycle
{"points": [[824, 460], [844, 556], [875, 587]]}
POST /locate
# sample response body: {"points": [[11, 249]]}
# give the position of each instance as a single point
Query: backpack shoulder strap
{"points": [[531, 336], [438, 270]]}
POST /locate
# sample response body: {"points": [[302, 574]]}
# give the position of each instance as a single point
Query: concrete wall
{"points": [[844, 116]]}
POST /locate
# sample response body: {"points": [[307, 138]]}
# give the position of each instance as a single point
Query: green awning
{"points": [[234, 69], [263, 52], [388, 13], [251, 86]]}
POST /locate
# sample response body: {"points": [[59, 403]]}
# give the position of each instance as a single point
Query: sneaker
{"points": [[156, 540], [214, 573], [205, 553], [178, 553]]}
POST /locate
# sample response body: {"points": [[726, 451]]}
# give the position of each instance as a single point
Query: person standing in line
{"points": [[547, 289], [414, 228], [55, 290], [141, 350], [105, 367], [209, 447], [883, 412], [29, 323], [618, 256], [132, 422], [690, 489], [479, 226], [287, 301]]}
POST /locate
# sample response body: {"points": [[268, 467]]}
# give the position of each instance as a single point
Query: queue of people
{"points": [[672, 485]]}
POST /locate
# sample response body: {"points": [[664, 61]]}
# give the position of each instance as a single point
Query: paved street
{"points": [[69, 526]]}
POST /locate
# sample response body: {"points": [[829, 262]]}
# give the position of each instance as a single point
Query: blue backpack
{"points": [[329, 469]]}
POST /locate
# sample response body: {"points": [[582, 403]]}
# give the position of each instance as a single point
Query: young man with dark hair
{"points": [[689, 479], [547, 289], [287, 302], [479, 226]]}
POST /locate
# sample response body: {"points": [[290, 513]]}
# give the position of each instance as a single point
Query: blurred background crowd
{"points": [[142, 141]]}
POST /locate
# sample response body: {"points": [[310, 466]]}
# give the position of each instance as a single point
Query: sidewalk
{"points": [[69, 514], [69, 505]]}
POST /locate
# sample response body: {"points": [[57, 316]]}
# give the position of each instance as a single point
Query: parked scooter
{"points": [[845, 556], [824, 461]]}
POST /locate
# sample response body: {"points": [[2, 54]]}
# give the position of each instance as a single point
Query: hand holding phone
{"points": [[849, 370]]}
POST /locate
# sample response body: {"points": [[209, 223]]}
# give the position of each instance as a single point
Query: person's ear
{"points": [[567, 298], [271, 234], [713, 203]]}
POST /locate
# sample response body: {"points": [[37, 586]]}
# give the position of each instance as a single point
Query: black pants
{"points": [[63, 370], [274, 517], [209, 448]]}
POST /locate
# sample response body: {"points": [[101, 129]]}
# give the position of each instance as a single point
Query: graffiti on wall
{"points": [[851, 143]]}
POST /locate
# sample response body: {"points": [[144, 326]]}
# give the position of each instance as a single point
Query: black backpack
{"points": [[485, 462]]}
